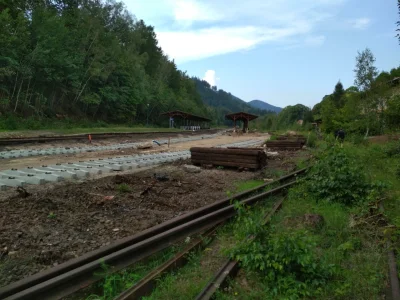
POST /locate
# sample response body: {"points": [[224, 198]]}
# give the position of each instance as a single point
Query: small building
{"points": [[241, 116], [186, 121]]}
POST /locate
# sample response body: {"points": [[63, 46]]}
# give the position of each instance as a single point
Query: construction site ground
{"points": [[55, 222], [35, 161]]}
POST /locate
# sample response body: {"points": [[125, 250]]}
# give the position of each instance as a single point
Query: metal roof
{"points": [[185, 115], [241, 116]]}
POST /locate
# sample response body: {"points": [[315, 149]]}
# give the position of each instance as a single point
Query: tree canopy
{"points": [[86, 59]]}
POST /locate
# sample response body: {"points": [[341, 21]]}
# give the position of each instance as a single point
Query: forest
{"points": [[83, 59], [219, 102]]}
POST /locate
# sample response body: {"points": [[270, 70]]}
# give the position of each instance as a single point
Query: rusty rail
{"points": [[230, 267], [147, 284], [78, 273], [43, 139]]}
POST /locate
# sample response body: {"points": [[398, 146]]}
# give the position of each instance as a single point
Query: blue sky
{"points": [[283, 52]]}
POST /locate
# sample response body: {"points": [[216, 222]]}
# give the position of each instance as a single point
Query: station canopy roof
{"points": [[241, 116], [184, 115]]}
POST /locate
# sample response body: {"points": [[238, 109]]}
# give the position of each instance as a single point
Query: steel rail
{"points": [[82, 276], [38, 278], [230, 267], [393, 272], [148, 283], [42, 139]]}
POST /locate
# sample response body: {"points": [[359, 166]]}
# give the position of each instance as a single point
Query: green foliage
{"points": [[312, 140], [392, 149], [357, 139], [337, 178], [247, 185], [89, 59], [288, 117], [338, 94], [273, 137], [51, 215], [123, 188], [365, 70], [220, 103], [370, 108], [285, 259]]}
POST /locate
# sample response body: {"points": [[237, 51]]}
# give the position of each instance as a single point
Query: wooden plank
{"points": [[225, 151], [226, 164], [220, 157]]}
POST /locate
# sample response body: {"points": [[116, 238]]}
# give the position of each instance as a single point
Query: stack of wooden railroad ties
{"points": [[287, 142], [244, 158]]}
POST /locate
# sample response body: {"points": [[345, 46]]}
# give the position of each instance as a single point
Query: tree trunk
{"points": [[19, 90], [15, 86], [27, 90], [366, 133]]}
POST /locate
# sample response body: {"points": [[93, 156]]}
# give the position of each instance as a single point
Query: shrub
{"points": [[311, 140], [123, 188], [337, 178], [285, 259], [393, 149], [358, 139]]}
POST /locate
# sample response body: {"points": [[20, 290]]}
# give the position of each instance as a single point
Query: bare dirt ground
{"points": [[35, 161], [59, 222]]}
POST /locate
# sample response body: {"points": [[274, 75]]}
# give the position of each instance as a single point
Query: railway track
{"points": [[76, 137], [78, 273]]}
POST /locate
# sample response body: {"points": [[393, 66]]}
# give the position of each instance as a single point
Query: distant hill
{"points": [[264, 105], [220, 102]]}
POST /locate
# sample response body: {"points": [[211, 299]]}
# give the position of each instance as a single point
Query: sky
{"points": [[283, 52]]}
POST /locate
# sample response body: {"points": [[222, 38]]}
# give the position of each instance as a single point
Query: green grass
{"points": [[184, 284], [114, 284], [123, 188], [247, 185], [187, 282]]}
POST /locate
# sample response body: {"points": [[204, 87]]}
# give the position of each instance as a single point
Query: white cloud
{"points": [[210, 77], [361, 23], [190, 11], [196, 29], [197, 44]]}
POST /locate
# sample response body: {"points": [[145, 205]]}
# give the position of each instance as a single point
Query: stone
{"points": [[313, 220], [145, 146], [272, 153], [191, 169], [268, 179]]}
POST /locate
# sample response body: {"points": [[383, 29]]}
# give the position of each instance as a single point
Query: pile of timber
{"points": [[299, 138], [241, 158], [285, 145]]}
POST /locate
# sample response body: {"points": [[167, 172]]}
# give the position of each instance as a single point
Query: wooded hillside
{"points": [[86, 59], [220, 102]]}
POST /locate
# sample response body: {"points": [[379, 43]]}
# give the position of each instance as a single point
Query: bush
{"points": [[285, 259], [358, 139], [9, 123], [311, 140], [337, 178], [393, 149]]}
